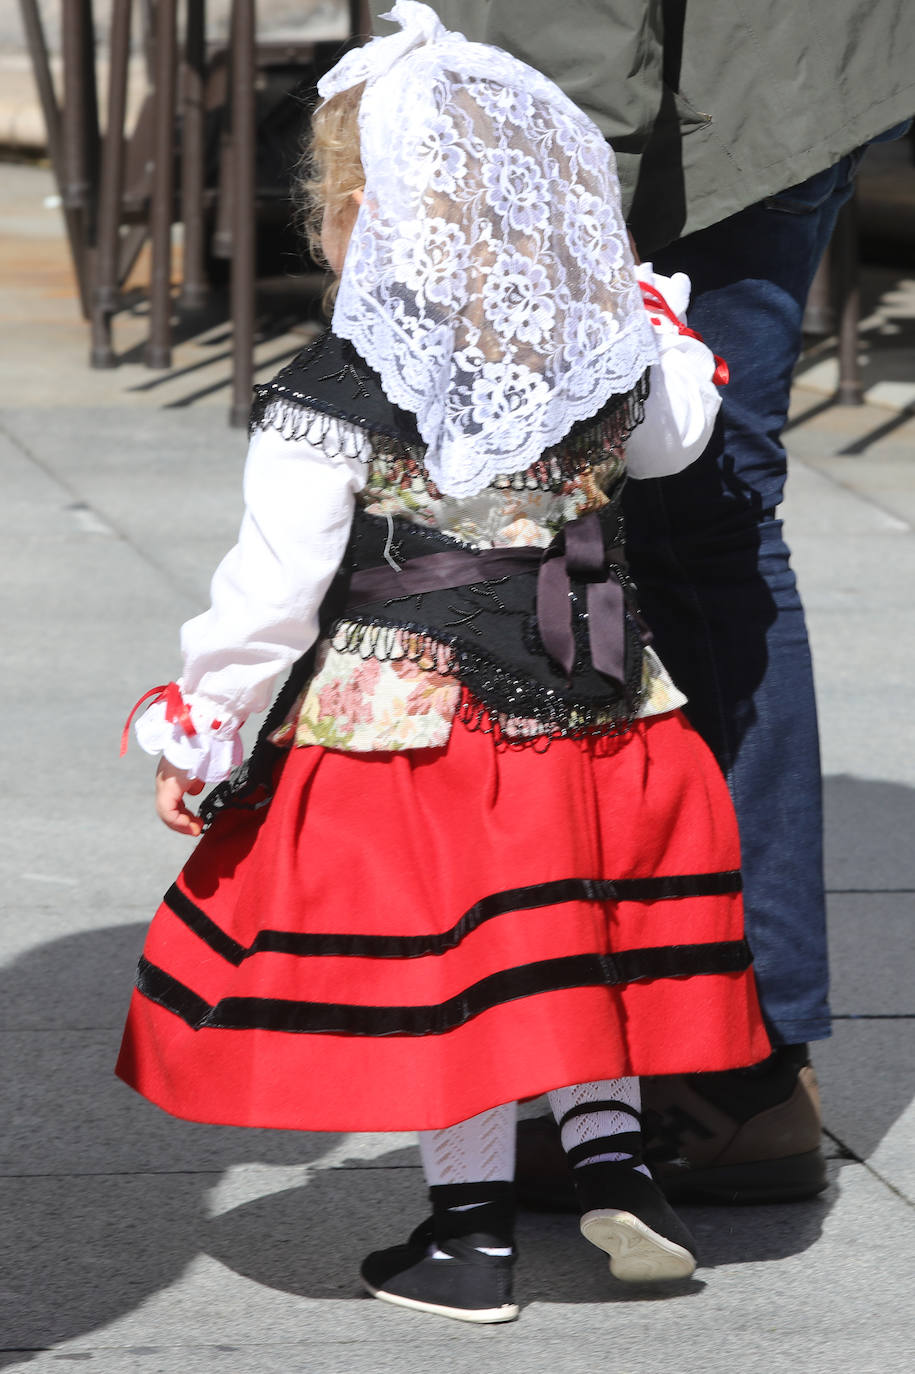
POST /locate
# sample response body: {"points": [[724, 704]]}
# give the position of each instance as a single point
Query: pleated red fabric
{"points": [[401, 941]]}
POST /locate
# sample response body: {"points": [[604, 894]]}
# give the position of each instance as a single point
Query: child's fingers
{"points": [[171, 785], [172, 812], [182, 821]]}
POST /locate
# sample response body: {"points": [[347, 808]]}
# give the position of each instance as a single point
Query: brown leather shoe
{"points": [[743, 1136]]}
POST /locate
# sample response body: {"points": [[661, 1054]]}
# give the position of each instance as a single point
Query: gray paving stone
{"points": [[867, 451], [80, 980], [869, 828], [169, 483], [855, 564], [894, 1158], [68, 1114], [828, 509], [870, 947], [867, 1077]]}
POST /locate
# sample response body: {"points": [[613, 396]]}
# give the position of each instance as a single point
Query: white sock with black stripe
{"points": [[599, 1121]]}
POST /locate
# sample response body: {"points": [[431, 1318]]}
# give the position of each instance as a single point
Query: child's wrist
{"points": [[193, 734]]}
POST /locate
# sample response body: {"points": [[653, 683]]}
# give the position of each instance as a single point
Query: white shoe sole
{"points": [[637, 1254], [508, 1313]]}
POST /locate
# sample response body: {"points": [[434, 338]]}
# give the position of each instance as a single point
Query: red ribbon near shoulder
{"points": [[177, 710], [655, 301]]}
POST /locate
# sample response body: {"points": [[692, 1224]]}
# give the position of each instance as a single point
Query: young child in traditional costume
{"points": [[477, 854]]}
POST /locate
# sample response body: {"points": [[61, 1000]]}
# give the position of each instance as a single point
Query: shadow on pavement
{"points": [[341, 1214], [887, 334], [103, 1196]]}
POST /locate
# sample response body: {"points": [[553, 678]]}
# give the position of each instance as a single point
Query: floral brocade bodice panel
{"points": [[527, 509]]}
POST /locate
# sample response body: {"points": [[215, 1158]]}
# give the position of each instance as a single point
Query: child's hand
{"points": [[171, 785]]}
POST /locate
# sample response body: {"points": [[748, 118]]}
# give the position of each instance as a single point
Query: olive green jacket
{"points": [[711, 104]]}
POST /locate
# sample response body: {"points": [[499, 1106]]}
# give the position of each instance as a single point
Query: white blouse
{"points": [[299, 503]]}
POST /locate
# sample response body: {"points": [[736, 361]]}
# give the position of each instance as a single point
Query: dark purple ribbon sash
{"points": [[586, 560], [577, 552]]}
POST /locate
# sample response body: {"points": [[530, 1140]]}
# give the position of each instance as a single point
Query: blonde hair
{"points": [[331, 168]]}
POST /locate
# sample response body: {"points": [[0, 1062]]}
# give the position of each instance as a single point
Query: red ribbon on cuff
{"points": [[177, 711], [655, 301]]}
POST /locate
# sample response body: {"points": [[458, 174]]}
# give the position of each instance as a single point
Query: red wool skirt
{"points": [[403, 940]]}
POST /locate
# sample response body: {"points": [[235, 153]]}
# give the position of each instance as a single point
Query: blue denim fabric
{"points": [[717, 589]]}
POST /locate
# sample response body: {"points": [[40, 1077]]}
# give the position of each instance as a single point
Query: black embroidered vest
{"points": [[547, 636]]}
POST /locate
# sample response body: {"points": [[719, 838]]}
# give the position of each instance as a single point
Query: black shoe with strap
{"points": [[443, 1268], [625, 1213]]}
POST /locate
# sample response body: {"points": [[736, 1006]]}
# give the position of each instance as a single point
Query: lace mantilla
{"points": [[489, 279]]}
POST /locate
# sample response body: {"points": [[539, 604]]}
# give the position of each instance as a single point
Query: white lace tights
{"points": [[482, 1149], [479, 1150]]}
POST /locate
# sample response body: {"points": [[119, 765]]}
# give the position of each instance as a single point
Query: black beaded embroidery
{"points": [[330, 396]]}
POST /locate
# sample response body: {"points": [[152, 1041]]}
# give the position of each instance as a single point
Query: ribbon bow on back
{"points": [[580, 553]]}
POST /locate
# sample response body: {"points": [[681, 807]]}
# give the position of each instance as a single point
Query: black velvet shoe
{"points": [[625, 1213], [468, 1284]]}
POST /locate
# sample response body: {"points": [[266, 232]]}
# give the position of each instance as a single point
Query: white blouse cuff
{"points": [[684, 400], [210, 754]]}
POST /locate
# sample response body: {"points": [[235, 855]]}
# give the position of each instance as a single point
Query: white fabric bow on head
{"points": [[489, 279], [419, 24]]}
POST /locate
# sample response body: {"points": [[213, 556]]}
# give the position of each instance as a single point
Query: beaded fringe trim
{"points": [[512, 708], [587, 444]]}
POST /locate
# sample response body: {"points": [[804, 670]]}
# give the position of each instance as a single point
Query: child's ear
{"points": [[358, 195]]}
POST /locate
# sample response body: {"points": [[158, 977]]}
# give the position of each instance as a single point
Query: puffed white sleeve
{"points": [[264, 597], [683, 399]]}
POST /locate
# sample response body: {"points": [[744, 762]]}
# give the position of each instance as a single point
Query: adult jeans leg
{"points": [[718, 591]]}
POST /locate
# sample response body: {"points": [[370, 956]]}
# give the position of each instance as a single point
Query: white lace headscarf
{"points": [[489, 279]]}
